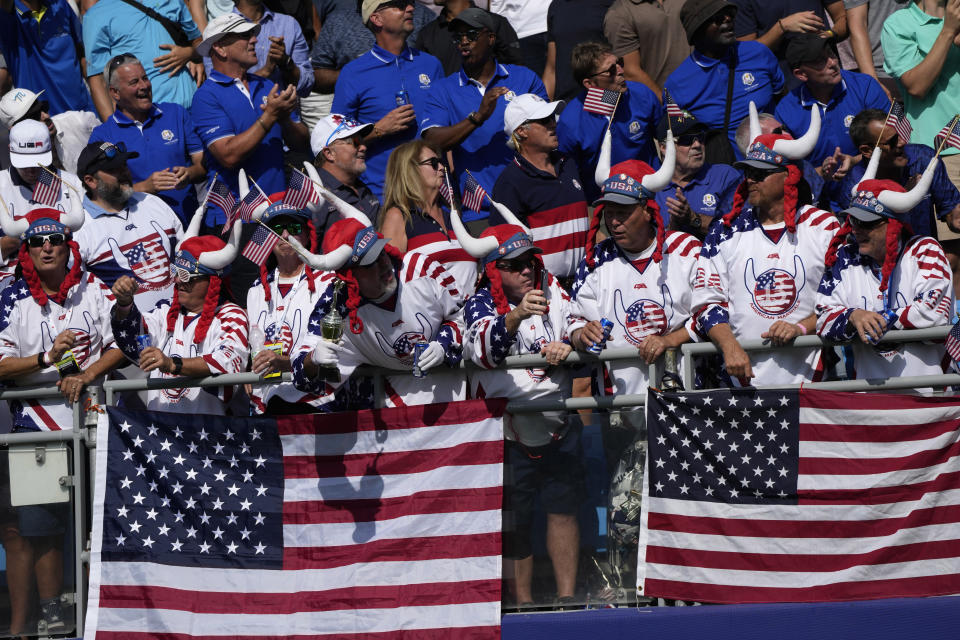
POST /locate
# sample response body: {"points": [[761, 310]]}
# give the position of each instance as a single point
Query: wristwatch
{"points": [[474, 118], [177, 365]]}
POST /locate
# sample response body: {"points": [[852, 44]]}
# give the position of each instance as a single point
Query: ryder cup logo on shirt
{"points": [[509, 95], [634, 126], [709, 200], [167, 135], [847, 120], [747, 78], [424, 80]]}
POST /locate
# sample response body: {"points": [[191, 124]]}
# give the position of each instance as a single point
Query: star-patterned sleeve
{"points": [[126, 330], [709, 304], [932, 302], [450, 335], [10, 319], [487, 342], [831, 305]]}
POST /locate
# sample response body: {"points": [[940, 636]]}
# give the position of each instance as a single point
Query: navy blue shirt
{"points": [[484, 152], [632, 133], [854, 93], [943, 194], [43, 56], [699, 85], [367, 89], [164, 140], [709, 192], [220, 110]]}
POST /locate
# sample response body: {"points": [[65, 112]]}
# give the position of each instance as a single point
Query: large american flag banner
{"points": [[602, 101], [46, 191], [374, 524], [800, 495]]}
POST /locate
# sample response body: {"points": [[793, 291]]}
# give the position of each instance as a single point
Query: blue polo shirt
{"points": [[367, 89], [42, 56], [699, 85], [164, 140], [943, 195], [632, 133], [112, 27], [484, 152], [709, 192], [854, 93], [222, 108]]}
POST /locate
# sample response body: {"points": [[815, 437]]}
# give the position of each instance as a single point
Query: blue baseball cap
{"points": [[623, 189]]}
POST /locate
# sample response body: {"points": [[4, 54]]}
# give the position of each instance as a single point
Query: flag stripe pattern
{"points": [[950, 133], [46, 191], [898, 120], [673, 109], [209, 527], [260, 245], [253, 199], [300, 191], [473, 194], [800, 495], [221, 196], [952, 342], [602, 101]]}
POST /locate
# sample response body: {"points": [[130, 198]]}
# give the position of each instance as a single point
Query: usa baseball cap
{"points": [[622, 189], [30, 144]]}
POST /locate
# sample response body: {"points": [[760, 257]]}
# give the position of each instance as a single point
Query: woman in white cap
{"points": [[199, 334]]}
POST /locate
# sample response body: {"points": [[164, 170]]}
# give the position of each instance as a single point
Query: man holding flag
{"points": [[465, 113], [630, 110]]}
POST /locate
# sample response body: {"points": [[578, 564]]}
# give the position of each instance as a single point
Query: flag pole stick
{"points": [[206, 196], [883, 126], [953, 122], [63, 182]]}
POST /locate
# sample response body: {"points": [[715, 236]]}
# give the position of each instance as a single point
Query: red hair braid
{"points": [[739, 197], [592, 235], [790, 197], [496, 288], [266, 285], [173, 311], [210, 303], [657, 223], [313, 249], [830, 258], [894, 231], [353, 301]]}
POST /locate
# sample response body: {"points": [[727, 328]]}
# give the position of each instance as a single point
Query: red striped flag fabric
{"points": [[260, 245], [46, 190], [800, 496], [898, 120], [221, 196], [950, 133], [602, 101], [300, 191], [473, 194], [374, 524], [952, 342], [673, 109]]}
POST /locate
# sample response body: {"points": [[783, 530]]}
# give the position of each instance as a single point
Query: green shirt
{"points": [[908, 36]]}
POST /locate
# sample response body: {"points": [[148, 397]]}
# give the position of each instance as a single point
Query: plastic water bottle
{"points": [[257, 338]]}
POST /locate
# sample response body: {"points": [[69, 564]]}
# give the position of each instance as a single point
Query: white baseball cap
{"points": [[527, 106], [224, 25], [30, 144], [15, 104], [332, 128]]}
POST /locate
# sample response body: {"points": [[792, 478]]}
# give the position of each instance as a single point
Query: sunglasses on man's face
{"points": [[396, 4], [517, 266], [609, 71], [687, 139], [470, 34], [55, 240], [892, 141], [759, 175], [293, 228], [434, 163], [866, 225]]}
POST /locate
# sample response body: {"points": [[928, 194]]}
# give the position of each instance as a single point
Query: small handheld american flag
{"points": [[47, 189], [950, 135], [952, 343], [473, 193], [260, 245], [300, 191], [898, 120], [673, 109], [253, 199], [221, 196], [602, 101]]}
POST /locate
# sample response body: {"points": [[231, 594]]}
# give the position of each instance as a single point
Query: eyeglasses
{"points": [[866, 225], [186, 277], [294, 228], [470, 34], [434, 163], [545, 122], [55, 240], [346, 123], [687, 139], [891, 142], [517, 266], [396, 4], [754, 174], [611, 70]]}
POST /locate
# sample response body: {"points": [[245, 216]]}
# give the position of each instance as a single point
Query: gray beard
{"points": [[116, 197]]}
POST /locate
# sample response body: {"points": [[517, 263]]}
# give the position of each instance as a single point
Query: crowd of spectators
{"points": [[197, 187]]}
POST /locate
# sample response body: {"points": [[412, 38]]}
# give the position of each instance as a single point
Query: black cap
{"points": [[806, 47], [680, 126], [99, 155], [475, 17], [695, 13]]}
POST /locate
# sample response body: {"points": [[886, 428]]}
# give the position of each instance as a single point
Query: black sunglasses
{"points": [[434, 163], [891, 141], [55, 240], [759, 175], [294, 228], [872, 224], [517, 266], [471, 35], [722, 16], [396, 4], [609, 71], [688, 139]]}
